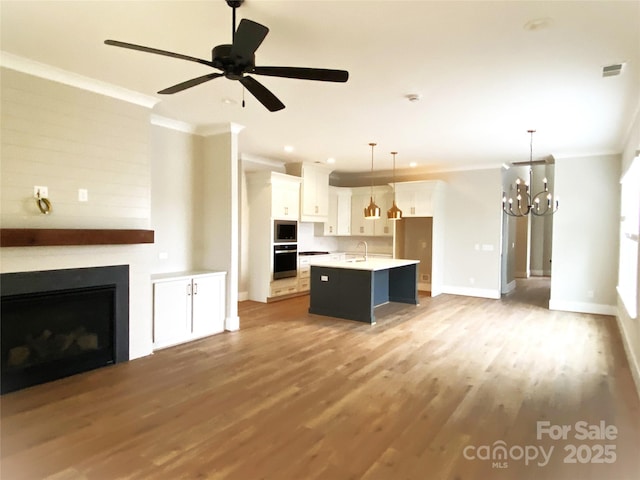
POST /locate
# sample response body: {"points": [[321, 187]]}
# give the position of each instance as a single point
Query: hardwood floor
{"points": [[427, 393]]}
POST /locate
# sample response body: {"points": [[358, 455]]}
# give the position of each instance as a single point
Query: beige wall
{"points": [[586, 234], [173, 199], [66, 138]]}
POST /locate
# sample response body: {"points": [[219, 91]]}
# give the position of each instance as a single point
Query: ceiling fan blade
{"points": [[189, 83], [264, 96], [247, 39], [320, 74], [133, 46]]}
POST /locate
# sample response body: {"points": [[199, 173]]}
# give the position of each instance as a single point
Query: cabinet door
{"points": [[406, 201], [171, 312], [359, 225], [208, 305], [343, 220], [331, 225], [383, 226], [315, 192], [284, 200]]}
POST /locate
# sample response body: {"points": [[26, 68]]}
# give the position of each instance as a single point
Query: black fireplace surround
{"points": [[57, 323]]}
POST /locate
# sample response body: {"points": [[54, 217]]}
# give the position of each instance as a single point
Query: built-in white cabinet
{"points": [[285, 197], [314, 191], [415, 199], [360, 198], [271, 196], [339, 215], [187, 306]]}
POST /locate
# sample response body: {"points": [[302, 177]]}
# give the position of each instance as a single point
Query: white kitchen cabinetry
{"points": [[285, 197], [339, 217], [187, 306], [314, 191], [271, 196], [360, 198], [415, 199]]}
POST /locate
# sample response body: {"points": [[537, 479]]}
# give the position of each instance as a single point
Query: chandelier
{"points": [[541, 204]]}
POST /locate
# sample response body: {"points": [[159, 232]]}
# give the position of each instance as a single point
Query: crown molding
{"points": [[180, 126], [219, 128], [49, 72]]}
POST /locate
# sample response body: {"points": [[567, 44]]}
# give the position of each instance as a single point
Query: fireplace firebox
{"points": [[58, 323]]}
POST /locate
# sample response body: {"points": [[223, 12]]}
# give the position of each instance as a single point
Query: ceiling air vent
{"points": [[612, 70]]}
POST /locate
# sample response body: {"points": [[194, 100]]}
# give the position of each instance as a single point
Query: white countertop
{"points": [[371, 264]]}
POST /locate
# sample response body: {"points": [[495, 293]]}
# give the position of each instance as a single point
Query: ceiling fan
{"points": [[237, 60]]}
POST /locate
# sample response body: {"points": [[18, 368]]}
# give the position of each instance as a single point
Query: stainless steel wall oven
{"points": [[285, 260]]}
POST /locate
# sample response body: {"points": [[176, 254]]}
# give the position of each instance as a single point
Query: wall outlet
{"points": [[40, 191], [425, 277], [83, 195], [163, 255], [472, 280]]}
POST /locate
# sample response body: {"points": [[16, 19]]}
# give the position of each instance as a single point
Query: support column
{"points": [[218, 212]]}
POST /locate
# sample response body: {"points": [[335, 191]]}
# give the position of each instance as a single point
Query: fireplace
{"points": [[58, 323]]}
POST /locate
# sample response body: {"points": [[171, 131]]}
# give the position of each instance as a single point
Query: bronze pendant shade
{"points": [[394, 213], [372, 211]]}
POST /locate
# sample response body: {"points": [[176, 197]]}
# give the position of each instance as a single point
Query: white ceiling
{"points": [[484, 79]]}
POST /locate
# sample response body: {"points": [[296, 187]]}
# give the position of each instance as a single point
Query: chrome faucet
{"points": [[366, 248]]}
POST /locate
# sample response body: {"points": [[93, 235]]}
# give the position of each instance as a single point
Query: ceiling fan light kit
{"points": [[237, 61], [541, 204]]}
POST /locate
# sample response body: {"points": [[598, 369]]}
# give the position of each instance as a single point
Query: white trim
{"points": [[538, 273], [180, 126], [42, 70], [634, 365], [243, 296], [231, 324], [604, 153], [582, 307], [219, 128], [471, 292], [262, 161]]}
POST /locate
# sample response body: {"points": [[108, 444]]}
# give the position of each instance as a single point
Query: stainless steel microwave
{"points": [[285, 231]]}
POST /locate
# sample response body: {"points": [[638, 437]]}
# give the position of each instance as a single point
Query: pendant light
{"points": [[372, 212], [394, 213]]}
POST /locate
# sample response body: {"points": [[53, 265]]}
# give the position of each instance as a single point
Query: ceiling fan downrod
{"points": [[234, 4]]}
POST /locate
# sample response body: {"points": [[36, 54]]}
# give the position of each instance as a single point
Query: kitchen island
{"points": [[352, 289]]}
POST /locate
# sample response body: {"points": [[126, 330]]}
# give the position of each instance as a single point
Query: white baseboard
{"points": [[582, 307], [472, 292], [242, 296], [231, 324], [521, 274]]}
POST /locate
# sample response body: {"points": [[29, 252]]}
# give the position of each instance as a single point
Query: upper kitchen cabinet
{"points": [[314, 191], [416, 199], [339, 215], [360, 197], [281, 192]]}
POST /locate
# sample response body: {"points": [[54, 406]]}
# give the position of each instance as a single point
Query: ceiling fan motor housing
{"points": [[233, 67]]}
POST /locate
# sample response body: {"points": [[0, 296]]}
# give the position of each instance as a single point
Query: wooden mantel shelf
{"points": [[41, 237]]}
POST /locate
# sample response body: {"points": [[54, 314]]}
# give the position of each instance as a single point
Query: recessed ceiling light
{"points": [[331, 160], [413, 164], [538, 24], [288, 148]]}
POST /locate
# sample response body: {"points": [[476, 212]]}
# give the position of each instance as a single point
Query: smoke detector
{"points": [[413, 97]]}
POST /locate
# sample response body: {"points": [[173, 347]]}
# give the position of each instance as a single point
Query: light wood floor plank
{"points": [[299, 396]]}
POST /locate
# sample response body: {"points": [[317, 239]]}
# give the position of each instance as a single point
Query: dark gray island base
{"points": [[352, 290]]}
